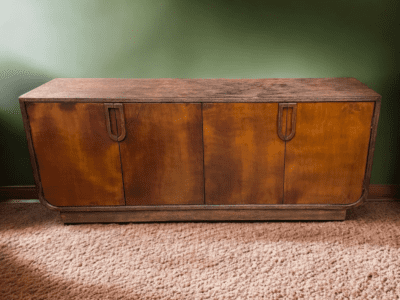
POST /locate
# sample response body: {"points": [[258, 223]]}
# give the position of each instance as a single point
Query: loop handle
{"points": [[294, 114], [119, 106]]}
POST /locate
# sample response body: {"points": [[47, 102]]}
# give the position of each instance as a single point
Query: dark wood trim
{"points": [[371, 150], [205, 100], [32, 156], [71, 217], [376, 192]]}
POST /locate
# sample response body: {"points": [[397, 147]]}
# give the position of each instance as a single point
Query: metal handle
{"points": [[108, 122], [280, 111]]}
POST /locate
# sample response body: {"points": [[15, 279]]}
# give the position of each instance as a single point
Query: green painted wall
{"points": [[42, 40]]}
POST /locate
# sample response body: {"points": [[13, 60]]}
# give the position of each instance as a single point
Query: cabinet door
{"points": [[326, 159], [243, 155], [79, 165], [162, 154]]}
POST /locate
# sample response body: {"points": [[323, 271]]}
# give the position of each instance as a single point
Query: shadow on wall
{"points": [[386, 163], [393, 94], [16, 79]]}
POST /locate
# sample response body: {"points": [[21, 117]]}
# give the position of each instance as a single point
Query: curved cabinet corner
{"points": [[46, 203], [325, 162]]}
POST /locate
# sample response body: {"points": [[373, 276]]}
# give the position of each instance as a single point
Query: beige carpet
{"points": [[359, 258]]}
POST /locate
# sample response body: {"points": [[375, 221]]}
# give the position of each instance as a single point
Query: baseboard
{"points": [[377, 192], [18, 192], [384, 191]]}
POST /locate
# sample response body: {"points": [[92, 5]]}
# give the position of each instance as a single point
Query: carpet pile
{"points": [[359, 258]]}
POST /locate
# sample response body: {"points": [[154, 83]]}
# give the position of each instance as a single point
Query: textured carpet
{"points": [[359, 258]]}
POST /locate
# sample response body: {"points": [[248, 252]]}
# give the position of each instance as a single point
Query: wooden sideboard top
{"points": [[202, 90]]}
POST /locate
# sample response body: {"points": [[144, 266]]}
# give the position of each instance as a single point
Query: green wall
{"points": [[42, 40]]}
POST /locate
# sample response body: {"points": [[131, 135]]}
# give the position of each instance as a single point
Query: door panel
{"points": [[79, 164], [326, 159], [243, 155], [162, 154]]}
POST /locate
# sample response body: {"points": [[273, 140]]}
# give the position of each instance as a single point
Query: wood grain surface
{"points": [[79, 164], [202, 90], [325, 161], [162, 154], [243, 155]]}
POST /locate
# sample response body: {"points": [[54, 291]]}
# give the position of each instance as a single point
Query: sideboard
{"points": [[152, 150]]}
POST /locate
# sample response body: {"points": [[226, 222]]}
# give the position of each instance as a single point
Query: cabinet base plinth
{"points": [[202, 215]]}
